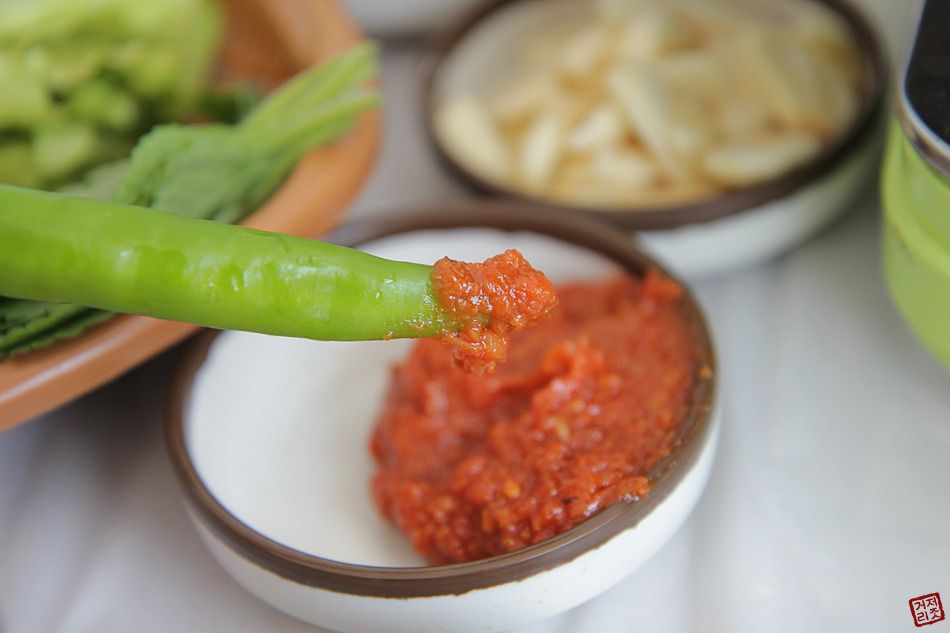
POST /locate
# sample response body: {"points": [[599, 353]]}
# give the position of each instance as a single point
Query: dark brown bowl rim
{"points": [[865, 125], [388, 582]]}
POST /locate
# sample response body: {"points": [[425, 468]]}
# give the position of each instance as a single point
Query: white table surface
{"points": [[827, 509]]}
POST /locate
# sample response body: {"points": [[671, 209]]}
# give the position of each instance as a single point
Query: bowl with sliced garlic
{"points": [[720, 132]]}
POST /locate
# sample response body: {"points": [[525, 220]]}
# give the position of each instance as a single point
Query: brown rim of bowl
{"points": [[409, 582], [873, 89]]}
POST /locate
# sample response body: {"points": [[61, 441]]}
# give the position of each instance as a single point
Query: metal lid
{"points": [[923, 107]]}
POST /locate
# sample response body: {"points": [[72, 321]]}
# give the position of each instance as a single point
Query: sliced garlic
{"points": [[540, 150], [523, 96], [692, 131], [651, 33], [640, 96], [743, 119], [624, 166], [762, 57], [602, 126], [741, 164], [702, 71], [464, 125], [816, 28], [583, 52]]}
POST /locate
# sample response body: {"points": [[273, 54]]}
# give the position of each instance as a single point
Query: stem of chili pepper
{"points": [[136, 260]]}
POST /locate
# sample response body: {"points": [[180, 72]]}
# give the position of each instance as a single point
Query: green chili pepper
{"points": [[137, 260], [213, 171]]}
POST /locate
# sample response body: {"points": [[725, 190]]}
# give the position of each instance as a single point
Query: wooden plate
{"points": [[266, 40]]}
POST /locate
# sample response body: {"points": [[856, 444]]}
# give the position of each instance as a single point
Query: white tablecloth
{"points": [[827, 508]]}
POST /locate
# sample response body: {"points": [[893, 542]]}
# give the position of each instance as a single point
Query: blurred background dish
{"points": [[285, 507], [264, 43], [722, 133]]}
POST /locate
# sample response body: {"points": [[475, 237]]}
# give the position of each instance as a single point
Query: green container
{"points": [[916, 188], [916, 199]]}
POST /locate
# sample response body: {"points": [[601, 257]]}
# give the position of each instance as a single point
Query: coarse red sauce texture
{"points": [[472, 466], [490, 300]]}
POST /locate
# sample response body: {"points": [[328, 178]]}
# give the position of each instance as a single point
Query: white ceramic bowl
{"points": [[696, 239], [269, 437]]}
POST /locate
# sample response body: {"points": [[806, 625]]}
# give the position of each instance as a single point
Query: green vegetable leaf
{"points": [[27, 325]]}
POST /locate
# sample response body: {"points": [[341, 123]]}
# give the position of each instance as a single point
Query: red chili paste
{"points": [[493, 299], [474, 466]]}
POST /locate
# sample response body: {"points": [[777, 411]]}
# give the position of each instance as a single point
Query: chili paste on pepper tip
{"points": [[472, 466], [491, 299]]}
